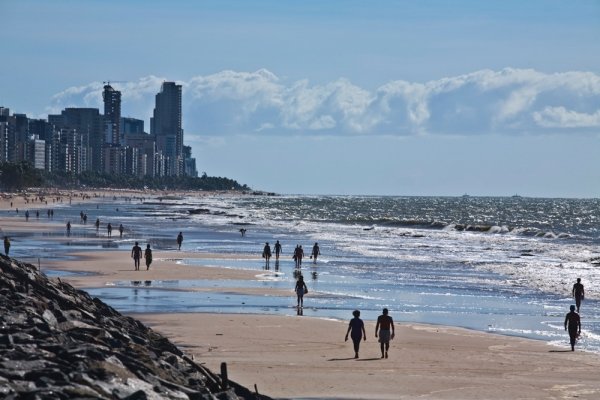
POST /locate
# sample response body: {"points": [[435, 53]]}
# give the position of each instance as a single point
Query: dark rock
{"points": [[57, 342]]}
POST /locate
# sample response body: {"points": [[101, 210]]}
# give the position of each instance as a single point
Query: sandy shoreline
{"points": [[301, 357]]}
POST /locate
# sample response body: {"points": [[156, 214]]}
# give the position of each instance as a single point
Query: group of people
{"points": [[384, 331], [83, 217], [136, 254], [297, 256]]}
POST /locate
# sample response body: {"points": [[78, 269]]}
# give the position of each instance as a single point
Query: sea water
{"points": [[499, 264]]}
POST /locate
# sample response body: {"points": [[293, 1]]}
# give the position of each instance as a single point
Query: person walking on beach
{"points": [[148, 256], [27, 215], [121, 229], [68, 228], [109, 229], [315, 253], [300, 290], [6, 245], [384, 329], [573, 325], [356, 329], [267, 254], [578, 293], [277, 249], [179, 240], [136, 254]]}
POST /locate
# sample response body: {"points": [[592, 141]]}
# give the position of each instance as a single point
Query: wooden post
{"points": [[224, 378]]}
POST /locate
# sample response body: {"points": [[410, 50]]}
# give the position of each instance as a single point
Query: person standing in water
{"points": [[356, 329], [148, 256], [300, 290], [573, 325], [578, 293], [136, 254], [277, 249], [267, 254], [384, 329], [298, 255], [315, 253], [179, 240], [109, 229], [121, 229]]}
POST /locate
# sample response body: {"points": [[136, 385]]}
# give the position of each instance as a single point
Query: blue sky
{"points": [[336, 97]]}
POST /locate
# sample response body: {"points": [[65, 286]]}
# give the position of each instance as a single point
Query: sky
{"points": [[409, 98]]}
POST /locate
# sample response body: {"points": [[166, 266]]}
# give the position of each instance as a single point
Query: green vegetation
{"points": [[22, 175]]}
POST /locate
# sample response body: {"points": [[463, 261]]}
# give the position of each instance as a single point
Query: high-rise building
{"points": [[166, 125], [189, 162], [112, 114], [89, 123], [4, 114], [146, 145], [36, 152]]}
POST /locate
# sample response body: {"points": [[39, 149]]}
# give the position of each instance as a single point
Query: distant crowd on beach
{"points": [[297, 254], [384, 329]]}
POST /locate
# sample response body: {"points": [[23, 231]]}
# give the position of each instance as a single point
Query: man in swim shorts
{"points": [[384, 329]]}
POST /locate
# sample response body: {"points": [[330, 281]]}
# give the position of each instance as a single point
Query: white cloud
{"points": [[560, 117], [231, 102]]}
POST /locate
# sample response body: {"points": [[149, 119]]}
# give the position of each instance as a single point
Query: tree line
{"points": [[17, 176]]}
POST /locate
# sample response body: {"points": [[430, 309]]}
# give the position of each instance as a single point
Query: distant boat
{"points": [[516, 196], [465, 195]]}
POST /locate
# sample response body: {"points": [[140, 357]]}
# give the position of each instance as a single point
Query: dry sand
{"points": [[301, 357], [297, 357]]}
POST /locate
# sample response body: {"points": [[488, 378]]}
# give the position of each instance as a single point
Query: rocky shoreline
{"points": [[57, 342]]}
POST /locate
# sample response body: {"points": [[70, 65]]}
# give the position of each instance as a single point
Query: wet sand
{"points": [[301, 357]]}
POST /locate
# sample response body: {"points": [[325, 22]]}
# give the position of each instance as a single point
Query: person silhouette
{"points": [[573, 325], [356, 329], [384, 329], [179, 240], [578, 293], [315, 253], [300, 290], [277, 249], [267, 254], [136, 254], [6, 245], [148, 256]]}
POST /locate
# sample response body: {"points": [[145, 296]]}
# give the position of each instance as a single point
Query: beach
{"points": [[299, 356]]}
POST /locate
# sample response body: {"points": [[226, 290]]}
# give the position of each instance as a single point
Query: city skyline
{"points": [[81, 139], [398, 98]]}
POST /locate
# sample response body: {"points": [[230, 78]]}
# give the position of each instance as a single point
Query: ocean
{"points": [[495, 264]]}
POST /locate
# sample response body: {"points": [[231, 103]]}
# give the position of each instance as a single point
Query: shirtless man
{"points": [[136, 254], [384, 329]]}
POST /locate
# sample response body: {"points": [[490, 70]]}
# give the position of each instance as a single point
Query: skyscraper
{"points": [[166, 125], [112, 114], [87, 122]]}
